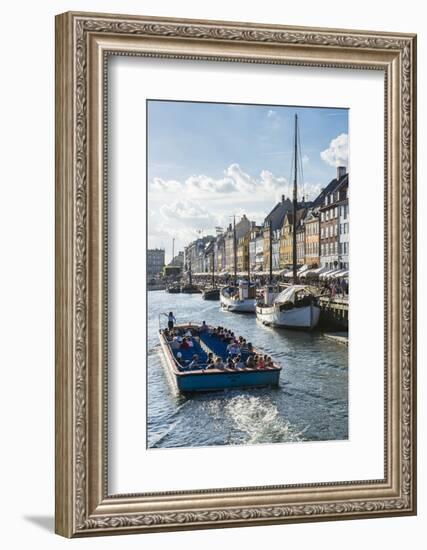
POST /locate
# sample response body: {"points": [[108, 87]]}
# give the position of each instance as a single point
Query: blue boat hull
{"points": [[206, 381]]}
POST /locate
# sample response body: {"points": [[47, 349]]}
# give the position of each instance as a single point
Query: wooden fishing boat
{"points": [[295, 307], [239, 299], [174, 288], [210, 294], [190, 289], [202, 378]]}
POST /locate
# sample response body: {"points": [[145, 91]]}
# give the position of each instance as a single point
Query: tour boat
{"points": [[240, 298], [295, 307], [201, 378]]}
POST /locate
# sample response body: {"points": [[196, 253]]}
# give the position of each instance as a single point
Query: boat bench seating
{"points": [[219, 347]]}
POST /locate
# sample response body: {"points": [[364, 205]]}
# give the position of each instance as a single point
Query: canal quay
{"points": [[309, 404]]}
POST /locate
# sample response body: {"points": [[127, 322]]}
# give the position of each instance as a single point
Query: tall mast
{"points": [[235, 250], [249, 259], [295, 206], [271, 249], [213, 264], [173, 249]]}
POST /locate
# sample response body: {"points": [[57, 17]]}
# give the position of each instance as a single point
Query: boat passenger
{"points": [[269, 363], [233, 348], [171, 319], [250, 347], [250, 363], [188, 333], [185, 344], [261, 362], [230, 363], [175, 344], [219, 364], [210, 360], [239, 363], [195, 362], [204, 327]]}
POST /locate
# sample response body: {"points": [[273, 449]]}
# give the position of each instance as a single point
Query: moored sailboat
{"points": [[296, 307]]}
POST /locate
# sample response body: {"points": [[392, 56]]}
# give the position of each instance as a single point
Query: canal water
{"points": [[310, 404]]}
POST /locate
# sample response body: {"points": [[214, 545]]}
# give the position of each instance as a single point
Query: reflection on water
{"points": [[311, 403]]}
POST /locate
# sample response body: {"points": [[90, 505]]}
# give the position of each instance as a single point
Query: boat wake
{"points": [[260, 420]]}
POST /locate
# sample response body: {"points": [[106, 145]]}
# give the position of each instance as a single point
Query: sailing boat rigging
{"points": [[296, 306]]}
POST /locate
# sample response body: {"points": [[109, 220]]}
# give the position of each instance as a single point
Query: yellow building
{"points": [[286, 242], [243, 252], [312, 239]]}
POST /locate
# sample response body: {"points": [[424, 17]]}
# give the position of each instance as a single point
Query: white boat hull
{"points": [[305, 317], [238, 306]]}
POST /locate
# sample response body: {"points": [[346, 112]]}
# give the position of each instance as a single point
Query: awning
{"points": [[328, 273]]}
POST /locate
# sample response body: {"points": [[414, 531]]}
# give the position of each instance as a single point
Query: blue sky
{"points": [[208, 161]]}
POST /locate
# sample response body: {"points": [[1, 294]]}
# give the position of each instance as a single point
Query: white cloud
{"points": [[337, 152], [235, 180], [185, 210], [305, 159]]}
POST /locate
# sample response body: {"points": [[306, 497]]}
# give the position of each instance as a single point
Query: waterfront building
{"points": [[242, 227], [329, 220], [275, 248], [259, 251], [208, 257], [274, 220], [243, 252], [301, 214], [343, 226], [178, 260], [195, 254], [155, 261], [220, 253], [286, 239], [312, 238], [255, 248]]}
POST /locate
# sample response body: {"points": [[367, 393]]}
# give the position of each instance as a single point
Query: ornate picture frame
{"points": [[83, 43]]}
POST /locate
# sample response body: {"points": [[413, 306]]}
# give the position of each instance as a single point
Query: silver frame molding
{"points": [[83, 43]]}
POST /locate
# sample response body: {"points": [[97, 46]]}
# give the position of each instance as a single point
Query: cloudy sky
{"points": [[209, 161]]}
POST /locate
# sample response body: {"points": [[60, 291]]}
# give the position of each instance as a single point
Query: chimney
{"points": [[341, 171]]}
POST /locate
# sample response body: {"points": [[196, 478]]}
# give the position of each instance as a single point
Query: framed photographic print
{"points": [[235, 274]]}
